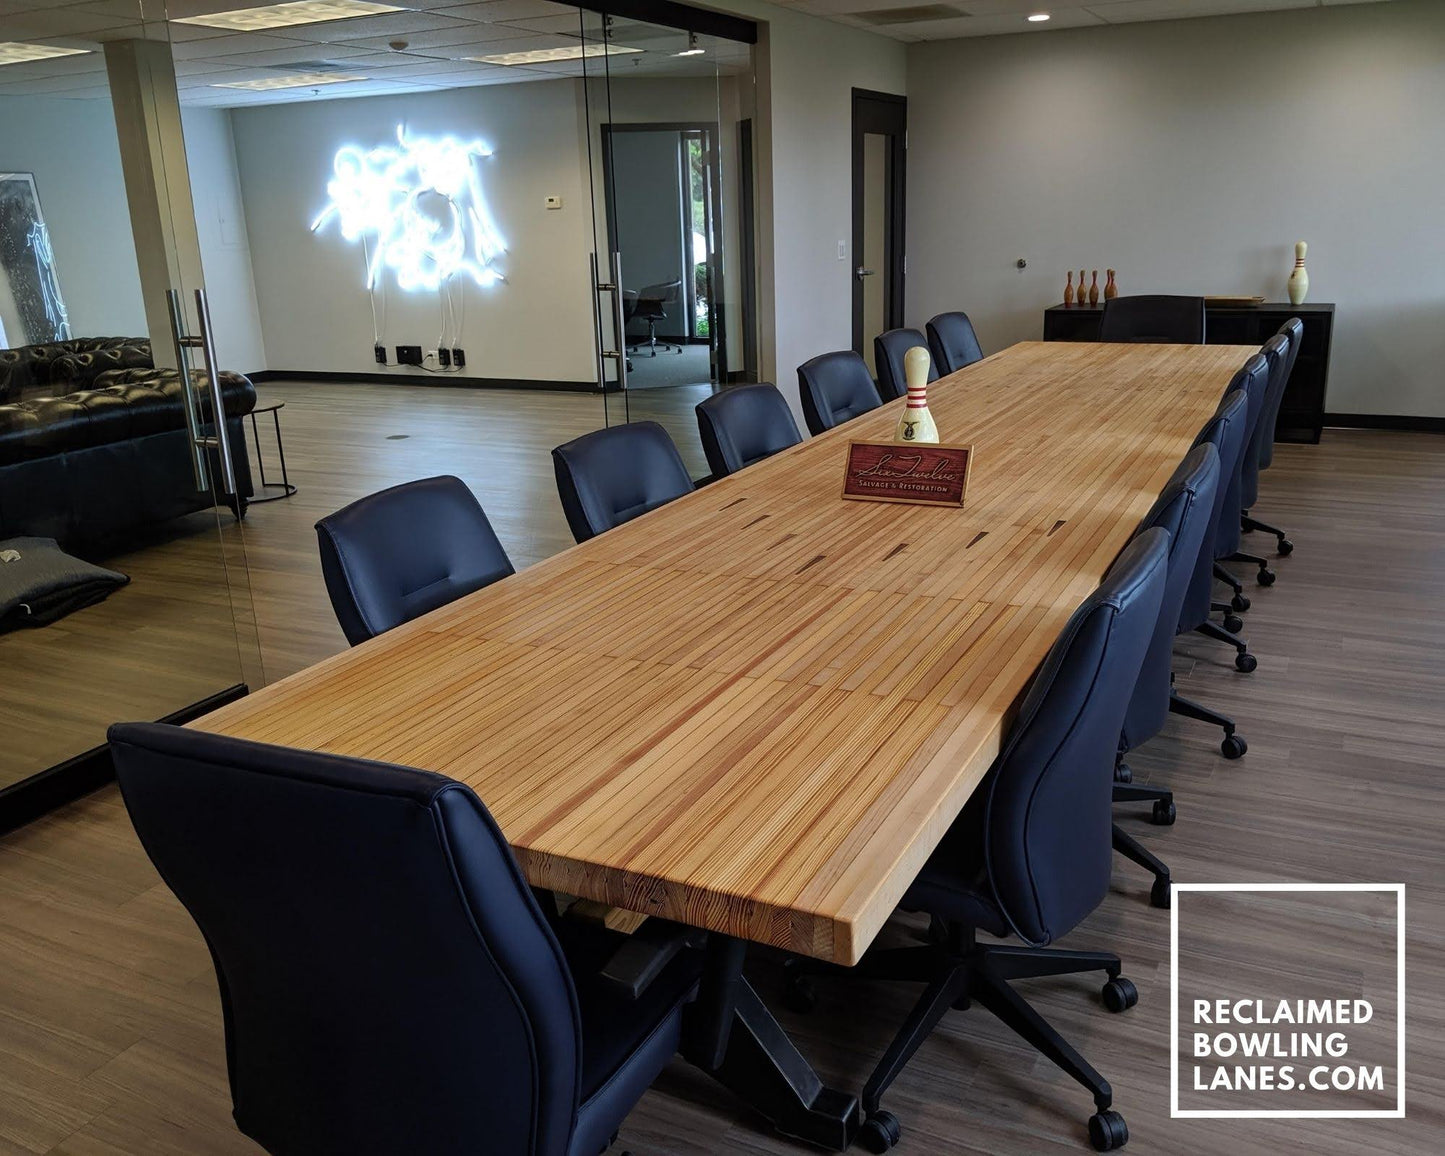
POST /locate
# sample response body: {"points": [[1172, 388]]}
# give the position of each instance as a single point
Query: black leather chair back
{"points": [[1294, 329], [1183, 508], [1253, 378], [1154, 318], [888, 351], [834, 388], [1225, 431], [397, 554], [388, 983], [744, 424], [952, 342], [611, 476], [1048, 842], [1276, 356]]}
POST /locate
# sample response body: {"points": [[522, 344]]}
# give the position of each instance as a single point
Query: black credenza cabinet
{"points": [[1302, 413]]}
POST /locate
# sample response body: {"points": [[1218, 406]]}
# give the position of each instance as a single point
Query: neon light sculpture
{"points": [[420, 206]]}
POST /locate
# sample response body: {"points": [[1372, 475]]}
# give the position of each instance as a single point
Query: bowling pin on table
{"points": [[1110, 289], [916, 424], [1299, 278], [1094, 289], [1083, 293], [1069, 289]]}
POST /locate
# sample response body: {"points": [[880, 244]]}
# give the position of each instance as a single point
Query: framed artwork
{"points": [[31, 307]]}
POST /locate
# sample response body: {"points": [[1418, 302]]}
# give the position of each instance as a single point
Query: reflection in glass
{"points": [[31, 307]]}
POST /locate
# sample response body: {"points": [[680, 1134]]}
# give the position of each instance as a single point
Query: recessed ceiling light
{"points": [[1038, 17], [14, 52], [550, 55], [285, 15], [293, 80]]}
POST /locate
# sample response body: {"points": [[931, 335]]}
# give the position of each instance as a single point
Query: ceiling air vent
{"points": [[915, 15]]}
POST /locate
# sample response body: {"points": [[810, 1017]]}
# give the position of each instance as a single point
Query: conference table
{"points": [[757, 709]]}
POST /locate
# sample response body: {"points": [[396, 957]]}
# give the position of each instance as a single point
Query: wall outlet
{"points": [[444, 358], [380, 351], [459, 357], [408, 354]]}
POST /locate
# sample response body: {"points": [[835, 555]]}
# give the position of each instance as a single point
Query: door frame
{"points": [[886, 114]]}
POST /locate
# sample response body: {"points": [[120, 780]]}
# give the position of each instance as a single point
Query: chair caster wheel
{"points": [[1160, 894], [1240, 602], [880, 1131], [1120, 994], [1286, 547], [799, 994], [1123, 774], [1265, 577], [1107, 1131], [1233, 746], [1164, 813], [1233, 623], [1245, 663]]}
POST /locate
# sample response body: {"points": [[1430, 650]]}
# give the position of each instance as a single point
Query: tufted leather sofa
{"points": [[93, 465], [63, 366]]}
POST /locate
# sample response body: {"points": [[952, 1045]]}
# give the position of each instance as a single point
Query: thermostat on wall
{"points": [[554, 202]]}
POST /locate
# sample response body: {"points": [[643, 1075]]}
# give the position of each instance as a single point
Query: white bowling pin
{"points": [[916, 424], [1299, 279]]}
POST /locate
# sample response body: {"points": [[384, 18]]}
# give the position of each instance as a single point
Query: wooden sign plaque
{"points": [[918, 474]]}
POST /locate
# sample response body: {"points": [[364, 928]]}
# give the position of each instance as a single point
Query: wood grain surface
{"points": [[757, 709]]}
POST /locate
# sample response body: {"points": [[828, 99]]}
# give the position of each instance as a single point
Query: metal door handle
{"points": [[862, 272], [218, 405], [620, 320], [183, 343]]}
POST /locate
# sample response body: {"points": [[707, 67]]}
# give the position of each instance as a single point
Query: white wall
{"points": [[70, 146], [221, 227], [310, 288], [1190, 156]]}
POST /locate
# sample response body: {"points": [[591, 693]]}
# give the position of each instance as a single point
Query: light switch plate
{"points": [[842, 250]]}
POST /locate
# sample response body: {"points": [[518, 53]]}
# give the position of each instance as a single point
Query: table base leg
{"points": [[736, 1040]]}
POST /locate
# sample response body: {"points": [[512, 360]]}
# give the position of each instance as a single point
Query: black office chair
{"points": [[1225, 431], [1183, 508], [1275, 353], [611, 476], [1156, 318], [1280, 368], [952, 342], [888, 352], [834, 388], [388, 982], [744, 424], [653, 302], [1030, 854], [395, 555]]}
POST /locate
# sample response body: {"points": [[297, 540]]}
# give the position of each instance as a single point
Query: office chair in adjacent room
{"points": [[1031, 853], [834, 388], [1292, 331], [744, 424], [952, 342], [388, 982], [611, 476], [1158, 318], [888, 352], [653, 302], [1183, 508], [395, 555]]}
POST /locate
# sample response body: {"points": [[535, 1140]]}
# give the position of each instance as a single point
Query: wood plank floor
{"points": [[110, 1037]]}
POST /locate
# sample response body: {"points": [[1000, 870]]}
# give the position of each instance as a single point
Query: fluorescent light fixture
{"points": [[285, 15], [293, 80], [1038, 17], [14, 52], [551, 55], [692, 49]]}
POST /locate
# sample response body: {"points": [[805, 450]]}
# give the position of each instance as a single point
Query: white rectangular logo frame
{"points": [[1175, 1112]]}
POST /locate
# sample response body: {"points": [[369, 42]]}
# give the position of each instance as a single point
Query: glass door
{"points": [[667, 114], [124, 482], [880, 142]]}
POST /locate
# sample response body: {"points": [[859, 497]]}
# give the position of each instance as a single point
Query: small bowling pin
{"points": [[1110, 289], [1299, 278], [1094, 289], [1069, 289], [1083, 293], [916, 424]]}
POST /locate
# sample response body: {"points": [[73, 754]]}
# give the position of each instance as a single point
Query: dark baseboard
{"points": [[76, 777], [456, 381], [1385, 421]]}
